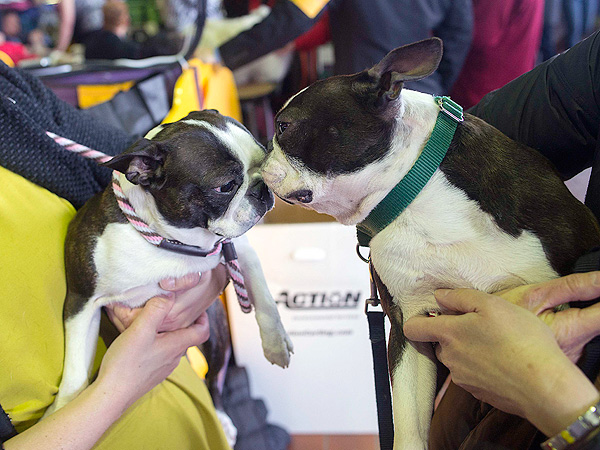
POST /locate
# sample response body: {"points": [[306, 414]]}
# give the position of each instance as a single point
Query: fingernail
{"points": [[441, 293], [193, 276], [596, 278], [168, 283]]}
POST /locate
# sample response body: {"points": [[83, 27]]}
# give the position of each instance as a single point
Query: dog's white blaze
{"points": [[153, 132], [295, 95]]}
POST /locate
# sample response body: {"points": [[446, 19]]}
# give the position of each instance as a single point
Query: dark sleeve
{"points": [[27, 110], [285, 23], [554, 108], [456, 30]]}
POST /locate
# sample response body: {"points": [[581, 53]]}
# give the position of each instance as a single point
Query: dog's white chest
{"points": [[124, 260], [444, 240]]}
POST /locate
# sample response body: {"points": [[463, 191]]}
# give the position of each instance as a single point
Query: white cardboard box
{"points": [[320, 286]]}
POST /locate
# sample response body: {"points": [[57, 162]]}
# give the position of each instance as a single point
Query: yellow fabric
{"points": [[197, 361], [178, 413], [6, 59], [204, 86], [93, 94], [310, 7]]}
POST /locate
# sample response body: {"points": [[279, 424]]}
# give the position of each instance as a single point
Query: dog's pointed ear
{"points": [[142, 163], [407, 63]]}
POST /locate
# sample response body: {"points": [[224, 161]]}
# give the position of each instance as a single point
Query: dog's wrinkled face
{"points": [[332, 139], [202, 171]]}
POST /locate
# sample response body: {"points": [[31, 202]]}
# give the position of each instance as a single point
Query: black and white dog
{"points": [[493, 215], [195, 181]]}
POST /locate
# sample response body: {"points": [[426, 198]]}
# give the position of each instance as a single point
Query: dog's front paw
{"points": [[277, 346]]}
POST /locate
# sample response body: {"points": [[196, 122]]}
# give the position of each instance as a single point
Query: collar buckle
{"points": [[450, 108]]}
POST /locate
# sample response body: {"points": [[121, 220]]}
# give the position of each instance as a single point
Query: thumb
{"points": [[177, 284], [424, 329], [153, 313], [459, 300]]}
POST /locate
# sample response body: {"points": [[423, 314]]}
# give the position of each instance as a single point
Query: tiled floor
{"points": [[334, 442]]}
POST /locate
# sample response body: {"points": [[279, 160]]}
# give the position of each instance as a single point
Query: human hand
{"points": [[192, 295], [574, 327], [505, 356], [142, 357]]}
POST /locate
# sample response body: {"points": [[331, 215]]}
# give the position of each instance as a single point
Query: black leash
{"points": [[376, 319]]}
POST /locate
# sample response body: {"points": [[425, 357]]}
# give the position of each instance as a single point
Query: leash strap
{"points": [[152, 237], [235, 273], [376, 320], [450, 115]]}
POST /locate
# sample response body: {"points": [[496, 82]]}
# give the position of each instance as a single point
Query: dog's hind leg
{"points": [[413, 372], [81, 339]]}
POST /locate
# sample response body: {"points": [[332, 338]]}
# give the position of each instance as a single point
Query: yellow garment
{"points": [[178, 413], [310, 7], [6, 59], [200, 86], [89, 95], [205, 86]]}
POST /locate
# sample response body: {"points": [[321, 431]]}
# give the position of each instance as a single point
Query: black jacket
{"points": [[27, 110]]}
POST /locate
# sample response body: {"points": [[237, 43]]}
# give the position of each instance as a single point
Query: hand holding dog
{"points": [[192, 295], [143, 356], [527, 373]]}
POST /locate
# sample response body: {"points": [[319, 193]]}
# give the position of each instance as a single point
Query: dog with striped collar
{"points": [[179, 198]]}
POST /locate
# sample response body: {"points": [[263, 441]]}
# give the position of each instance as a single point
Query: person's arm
{"points": [[139, 359], [66, 14], [456, 31], [152, 342], [285, 22], [504, 355]]}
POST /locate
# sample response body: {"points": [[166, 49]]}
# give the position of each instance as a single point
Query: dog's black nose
{"points": [[260, 191], [303, 195]]}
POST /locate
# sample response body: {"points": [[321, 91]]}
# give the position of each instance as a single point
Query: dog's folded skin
{"points": [[197, 181], [494, 215]]}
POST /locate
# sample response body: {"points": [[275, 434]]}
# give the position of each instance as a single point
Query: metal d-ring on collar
{"points": [[450, 115]]}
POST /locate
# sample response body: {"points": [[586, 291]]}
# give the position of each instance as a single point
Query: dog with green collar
{"points": [[442, 199]]}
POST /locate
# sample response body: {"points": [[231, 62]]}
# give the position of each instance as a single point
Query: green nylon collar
{"points": [[417, 177]]}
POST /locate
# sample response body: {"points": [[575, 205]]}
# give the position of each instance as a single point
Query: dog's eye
{"points": [[282, 126], [226, 187]]}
